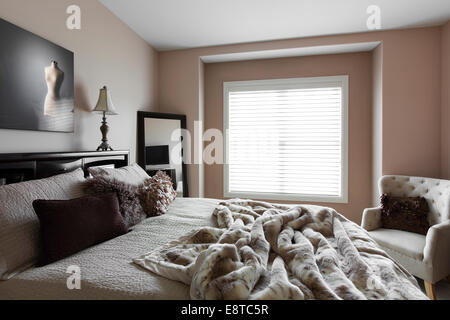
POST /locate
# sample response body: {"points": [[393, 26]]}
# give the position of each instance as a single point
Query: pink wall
{"points": [[180, 88], [411, 102], [445, 100], [107, 52], [411, 86], [359, 68]]}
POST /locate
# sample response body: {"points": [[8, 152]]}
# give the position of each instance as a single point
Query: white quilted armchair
{"points": [[426, 257]]}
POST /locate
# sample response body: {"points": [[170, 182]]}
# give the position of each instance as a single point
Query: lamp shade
{"points": [[104, 103]]}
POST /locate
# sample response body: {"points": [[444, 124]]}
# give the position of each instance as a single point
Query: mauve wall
{"points": [[180, 92], [410, 62], [107, 52], [359, 68], [411, 110], [445, 100]]}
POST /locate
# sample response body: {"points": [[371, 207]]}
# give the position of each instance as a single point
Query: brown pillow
{"points": [[157, 194], [407, 214], [69, 226], [129, 202]]}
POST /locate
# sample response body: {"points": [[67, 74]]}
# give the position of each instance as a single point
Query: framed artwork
{"points": [[36, 82]]}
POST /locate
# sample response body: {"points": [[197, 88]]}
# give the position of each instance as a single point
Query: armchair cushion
{"points": [[406, 243], [405, 213]]}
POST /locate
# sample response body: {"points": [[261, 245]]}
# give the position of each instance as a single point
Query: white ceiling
{"points": [[176, 24]]}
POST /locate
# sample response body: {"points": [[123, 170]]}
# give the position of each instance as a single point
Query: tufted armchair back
{"points": [[436, 191]]}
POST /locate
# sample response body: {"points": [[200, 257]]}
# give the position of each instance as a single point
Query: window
{"points": [[286, 139]]}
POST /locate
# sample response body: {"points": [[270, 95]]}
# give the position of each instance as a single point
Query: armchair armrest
{"points": [[371, 219], [437, 249]]}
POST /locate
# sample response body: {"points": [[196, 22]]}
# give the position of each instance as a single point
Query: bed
{"points": [[107, 269]]}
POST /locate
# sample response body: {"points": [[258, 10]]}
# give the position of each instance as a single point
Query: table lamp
{"points": [[105, 105]]}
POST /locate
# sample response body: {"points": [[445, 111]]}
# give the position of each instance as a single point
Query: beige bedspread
{"points": [[107, 271], [265, 251]]}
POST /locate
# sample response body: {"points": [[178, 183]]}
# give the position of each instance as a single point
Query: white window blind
{"points": [[286, 139]]}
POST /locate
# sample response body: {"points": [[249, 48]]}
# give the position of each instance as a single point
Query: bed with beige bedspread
{"points": [[107, 270]]}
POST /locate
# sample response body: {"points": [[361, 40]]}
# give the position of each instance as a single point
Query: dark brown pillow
{"points": [[157, 194], [128, 195], [69, 226], [407, 214]]}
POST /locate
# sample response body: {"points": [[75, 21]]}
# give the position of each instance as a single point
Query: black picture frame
{"points": [[141, 116]]}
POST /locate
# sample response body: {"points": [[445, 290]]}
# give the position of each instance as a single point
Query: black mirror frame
{"points": [[141, 115]]}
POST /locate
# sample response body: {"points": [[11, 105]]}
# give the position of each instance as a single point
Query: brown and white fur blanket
{"points": [[267, 251]]}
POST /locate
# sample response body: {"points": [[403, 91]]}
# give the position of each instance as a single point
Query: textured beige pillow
{"points": [[132, 174], [157, 194], [19, 225]]}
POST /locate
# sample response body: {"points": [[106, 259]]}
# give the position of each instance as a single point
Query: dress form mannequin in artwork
{"points": [[54, 78]]}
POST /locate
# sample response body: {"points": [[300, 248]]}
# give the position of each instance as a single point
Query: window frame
{"points": [[289, 83]]}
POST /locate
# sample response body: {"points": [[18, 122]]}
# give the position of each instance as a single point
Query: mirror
{"points": [[160, 147]]}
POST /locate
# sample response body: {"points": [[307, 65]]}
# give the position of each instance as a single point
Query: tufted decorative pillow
{"points": [[128, 195], [19, 225], [157, 194], [403, 213], [132, 174]]}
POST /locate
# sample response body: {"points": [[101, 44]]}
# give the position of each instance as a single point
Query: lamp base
{"points": [[104, 147], [104, 129]]}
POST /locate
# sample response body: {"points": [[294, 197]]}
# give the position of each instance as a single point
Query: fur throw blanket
{"points": [[266, 251]]}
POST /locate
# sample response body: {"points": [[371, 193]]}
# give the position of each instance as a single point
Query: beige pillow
{"points": [[132, 174], [157, 194], [19, 225]]}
